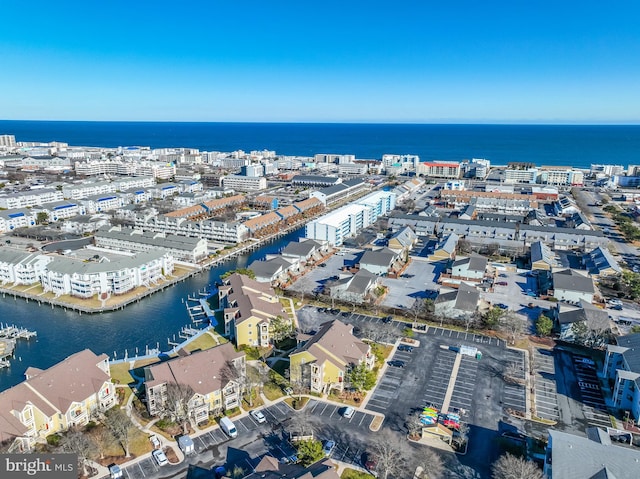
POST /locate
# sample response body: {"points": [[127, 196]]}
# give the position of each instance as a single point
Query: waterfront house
{"points": [[18, 267], [53, 400], [249, 306], [273, 269], [215, 376], [323, 362]]}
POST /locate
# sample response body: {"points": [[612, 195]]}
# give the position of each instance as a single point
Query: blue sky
{"points": [[402, 61]]}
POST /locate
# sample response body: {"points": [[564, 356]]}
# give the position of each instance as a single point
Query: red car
{"points": [[502, 283]]}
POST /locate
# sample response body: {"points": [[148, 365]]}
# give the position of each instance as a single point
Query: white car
{"points": [[155, 442], [348, 412], [160, 457], [258, 416]]}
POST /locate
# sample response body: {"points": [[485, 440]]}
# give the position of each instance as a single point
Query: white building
{"points": [[100, 203], [8, 141], [17, 267], [28, 199], [182, 248], [244, 183], [65, 276], [60, 210], [82, 190], [520, 176], [16, 218]]}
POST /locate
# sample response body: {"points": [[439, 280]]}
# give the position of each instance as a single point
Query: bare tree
{"points": [[103, 439], [390, 453], [301, 423], [121, 427], [176, 404], [75, 441], [418, 308], [509, 466], [414, 423], [431, 464], [512, 325], [512, 374], [298, 378]]}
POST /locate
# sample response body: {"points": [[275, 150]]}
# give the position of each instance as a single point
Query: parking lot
{"points": [[545, 385], [595, 409], [387, 390], [420, 276]]}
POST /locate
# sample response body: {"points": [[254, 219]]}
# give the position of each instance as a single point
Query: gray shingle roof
{"points": [[569, 280]]}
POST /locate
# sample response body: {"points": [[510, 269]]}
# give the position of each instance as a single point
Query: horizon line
{"points": [[353, 122]]}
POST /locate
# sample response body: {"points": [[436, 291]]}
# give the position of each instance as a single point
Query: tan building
{"points": [[249, 307], [212, 375], [53, 400], [322, 363]]}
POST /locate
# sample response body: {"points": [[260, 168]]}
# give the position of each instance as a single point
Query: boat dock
{"points": [[9, 334], [201, 311]]}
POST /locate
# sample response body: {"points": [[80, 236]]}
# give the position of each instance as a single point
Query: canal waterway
{"points": [[148, 323]]}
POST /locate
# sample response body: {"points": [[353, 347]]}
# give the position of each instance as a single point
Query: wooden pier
{"points": [[9, 334]]}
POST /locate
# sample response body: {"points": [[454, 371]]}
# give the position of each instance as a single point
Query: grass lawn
{"points": [[295, 403], [138, 446], [272, 391], [126, 394], [257, 401], [203, 342], [349, 473], [120, 373]]}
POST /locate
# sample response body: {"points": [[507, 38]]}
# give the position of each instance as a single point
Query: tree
{"points": [[512, 325], [75, 441], [463, 246], [42, 217], [414, 423], [176, 404], [509, 466], [310, 451], [431, 464], [417, 309], [357, 376], [256, 376], [245, 271], [544, 325], [492, 317], [390, 454], [580, 331], [121, 427], [103, 439], [280, 328]]}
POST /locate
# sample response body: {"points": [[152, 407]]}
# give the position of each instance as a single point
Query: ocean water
{"points": [[569, 145]]}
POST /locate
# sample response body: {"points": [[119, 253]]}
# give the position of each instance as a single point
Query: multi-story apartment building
{"points": [[439, 169], [212, 230], [17, 267], [65, 276], [60, 210], [182, 248], [100, 203], [82, 190], [322, 364], [520, 176], [29, 199], [560, 176], [215, 376], [16, 218], [8, 141], [249, 307], [622, 366], [53, 400], [243, 183]]}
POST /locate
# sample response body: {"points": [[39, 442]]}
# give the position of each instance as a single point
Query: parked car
{"points": [[115, 472], [288, 390], [335, 311], [328, 446], [258, 416], [321, 310], [348, 412], [396, 363], [502, 306], [160, 457], [155, 442], [502, 283], [370, 462], [346, 314], [387, 319], [406, 348]]}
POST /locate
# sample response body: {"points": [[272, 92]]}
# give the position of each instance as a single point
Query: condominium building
{"points": [[212, 230], [243, 183], [100, 203], [28, 199], [206, 373], [16, 218], [249, 307], [560, 176], [8, 141], [520, 176], [61, 210], [182, 248], [66, 276], [440, 169], [82, 190], [18, 267], [53, 400]]}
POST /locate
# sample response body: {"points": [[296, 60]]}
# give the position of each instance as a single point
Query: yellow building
{"points": [[55, 399], [249, 307], [214, 375], [322, 363]]}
